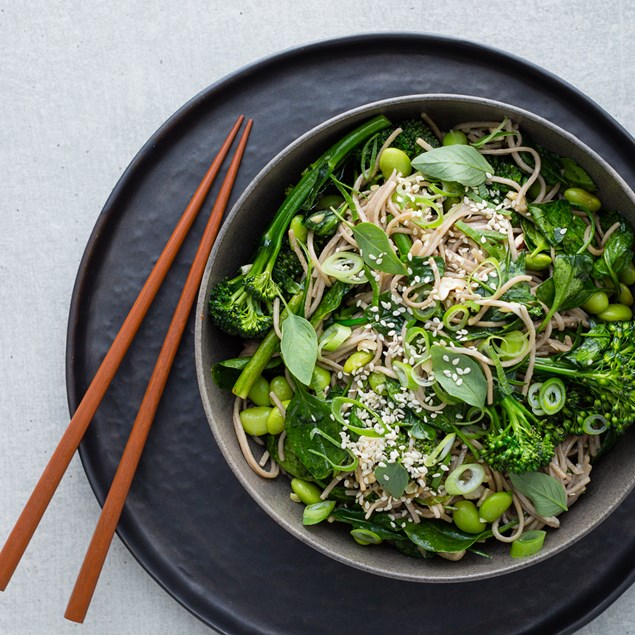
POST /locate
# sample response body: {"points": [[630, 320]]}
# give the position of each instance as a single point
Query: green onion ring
{"points": [[590, 424], [457, 486], [532, 398], [450, 313], [346, 266], [552, 395]]}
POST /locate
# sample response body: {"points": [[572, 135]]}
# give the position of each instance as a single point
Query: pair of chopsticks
{"points": [[35, 507]]}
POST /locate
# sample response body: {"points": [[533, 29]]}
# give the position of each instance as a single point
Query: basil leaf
{"points": [[569, 286], [376, 249], [545, 492], [393, 478], [299, 347], [470, 386], [458, 163], [306, 412], [437, 535]]}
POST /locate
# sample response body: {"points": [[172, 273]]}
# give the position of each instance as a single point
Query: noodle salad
{"points": [[438, 337]]}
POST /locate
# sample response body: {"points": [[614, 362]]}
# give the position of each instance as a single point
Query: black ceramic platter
{"points": [[187, 520]]}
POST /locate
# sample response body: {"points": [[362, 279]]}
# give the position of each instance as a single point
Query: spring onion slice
{"points": [[450, 316], [317, 512], [441, 451], [532, 398], [510, 345], [595, 424], [456, 483], [528, 543], [334, 336], [337, 410], [346, 266], [365, 537], [405, 375], [417, 344], [552, 395]]}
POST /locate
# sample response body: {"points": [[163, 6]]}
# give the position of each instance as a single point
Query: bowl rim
{"points": [[355, 115]]}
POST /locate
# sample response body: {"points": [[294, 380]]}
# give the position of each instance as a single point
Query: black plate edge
{"points": [[169, 126]]}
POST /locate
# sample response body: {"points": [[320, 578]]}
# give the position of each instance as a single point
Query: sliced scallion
{"points": [[456, 317], [595, 424], [552, 395], [317, 512], [334, 336], [337, 410], [532, 398], [366, 537], [528, 543], [441, 451], [405, 375], [346, 266], [459, 483]]}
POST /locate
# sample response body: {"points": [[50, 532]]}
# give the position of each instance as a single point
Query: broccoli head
{"points": [[411, 130]]}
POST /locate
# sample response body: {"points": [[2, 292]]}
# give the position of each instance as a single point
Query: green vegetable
{"points": [[240, 306], [494, 506], [458, 163], [559, 225], [411, 130], [616, 313], [346, 266], [334, 336], [320, 379], [552, 395], [596, 303], [319, 453], [528, 543], [254, 420], [394, 159], [299, 347], [576, 176], [393, 478], [454, 137], [275, 420], [376, 250], [439, 536], [331, 300], [281, 388], [627, 275], [323, 222], [581, 198], [299, 230], [259, 392], [308, 493], [625, 296], [545, 492], [459, 375], [537, 262], [357, 361], [457, 483], [365, 537], [466, 517], [317, 512], [618, 249], [226, 372], [595, 424]]}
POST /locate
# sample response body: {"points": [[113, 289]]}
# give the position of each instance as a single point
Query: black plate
{"points": [[187, 520]]}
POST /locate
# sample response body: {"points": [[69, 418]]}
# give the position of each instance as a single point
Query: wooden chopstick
{"points": [[111, 512], [39, 500]]}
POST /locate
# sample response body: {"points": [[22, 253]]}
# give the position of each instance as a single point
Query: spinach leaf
{"points": [[331, 300], [421, 268], [316, 452], [459, 163], [618, 250], [291, 464], [550, 162], [226, 373], [468, 385], [557, 223], [545, 492], [299, 347], [376, 249], [383, 317], [437, 535], [594, 342], [576, 176], [393, 478], [377, 523], [569, 286]]}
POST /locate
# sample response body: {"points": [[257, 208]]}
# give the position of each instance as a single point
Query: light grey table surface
{"points": [[83, 84]]}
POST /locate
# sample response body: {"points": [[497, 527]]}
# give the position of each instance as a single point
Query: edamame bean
{"points": [[616, 313], [259, 392], [466, 517], [275, 420], [320, 379], [357, 360], [582, 198], [597, 303], [494, 506], [281, 388], [307, 492], [254, 420], [298, 227], [394, 159], [537, 262], [454, 138], [627, 276], [377, 382], [625, 296]]}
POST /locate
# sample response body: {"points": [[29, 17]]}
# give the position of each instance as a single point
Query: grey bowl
{"points": [[612, 479]]}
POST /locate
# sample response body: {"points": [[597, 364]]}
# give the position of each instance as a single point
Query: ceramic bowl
{"points": [[612, 478]]}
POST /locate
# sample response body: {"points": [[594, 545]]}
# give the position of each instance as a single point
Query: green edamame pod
{"points": [[259, 392], [582, 198]]}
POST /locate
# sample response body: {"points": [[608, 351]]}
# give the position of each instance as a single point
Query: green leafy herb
{"points": [[458, 163], [316, 452], [468, 385], [559, 225], [299, 347], [376, 249], [421, 268], [545, 492], [437, 535], [393, 478], [382, 316], [377, 523], [489, 241], [569, 286], [575, 176], [291, 464], [618, 250], [331, 300]]}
